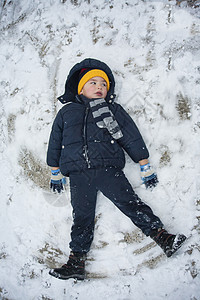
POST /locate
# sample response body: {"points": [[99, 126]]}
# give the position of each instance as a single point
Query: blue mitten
{"points": [[148, 176], [57, 181]]}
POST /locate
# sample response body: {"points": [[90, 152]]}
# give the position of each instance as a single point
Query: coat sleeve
{"points": [[55, 142], [132, 141]]}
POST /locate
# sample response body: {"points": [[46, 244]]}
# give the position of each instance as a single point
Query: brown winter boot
{"points": [[170, 243], [74, 268]]}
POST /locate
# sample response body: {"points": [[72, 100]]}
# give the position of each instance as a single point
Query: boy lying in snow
{"points": [[87, 143]]}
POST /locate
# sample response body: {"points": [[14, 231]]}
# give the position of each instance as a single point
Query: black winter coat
{"points": [[77, 143]]}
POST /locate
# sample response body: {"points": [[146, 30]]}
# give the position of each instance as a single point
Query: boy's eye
{"points": [[104, 84]]}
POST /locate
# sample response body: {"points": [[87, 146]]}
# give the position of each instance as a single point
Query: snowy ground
{"points": [[153, 50]]}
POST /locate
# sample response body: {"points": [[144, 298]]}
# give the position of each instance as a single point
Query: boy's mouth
{"points": [[99, 94]]}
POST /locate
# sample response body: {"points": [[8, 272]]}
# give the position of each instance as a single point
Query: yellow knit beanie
{"points": [[90, 74]]}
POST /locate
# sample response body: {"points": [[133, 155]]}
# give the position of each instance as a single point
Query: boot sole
{"points": [[178, 242], [63, 277]]}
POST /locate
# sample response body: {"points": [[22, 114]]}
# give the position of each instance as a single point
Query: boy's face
{"points": [[95, 87]]}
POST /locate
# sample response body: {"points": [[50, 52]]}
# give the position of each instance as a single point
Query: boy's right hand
{"points": [[57, 181]]}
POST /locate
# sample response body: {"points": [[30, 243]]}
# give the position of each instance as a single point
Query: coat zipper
{"points": [[85, 147]]}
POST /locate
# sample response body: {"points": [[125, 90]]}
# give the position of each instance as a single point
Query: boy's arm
{"points": [[55, 142], [132, 141], [143, 162], [53, 154], [134, 145]]}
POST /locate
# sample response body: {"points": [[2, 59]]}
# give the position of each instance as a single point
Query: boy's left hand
{"points": [[148, 176]]}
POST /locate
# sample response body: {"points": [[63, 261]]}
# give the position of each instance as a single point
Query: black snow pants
{"points": [[115, 186]]}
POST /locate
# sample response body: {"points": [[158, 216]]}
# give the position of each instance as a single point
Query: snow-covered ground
{"points": [[153, 50]]}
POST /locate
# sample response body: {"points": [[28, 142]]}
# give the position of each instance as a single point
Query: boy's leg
{"points": [[115, 186], [83, 200]]}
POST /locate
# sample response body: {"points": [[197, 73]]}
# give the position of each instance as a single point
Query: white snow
{"points": [[153, 49]]}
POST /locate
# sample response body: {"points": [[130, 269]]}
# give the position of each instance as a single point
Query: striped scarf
{"points": [[104, 118]]}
